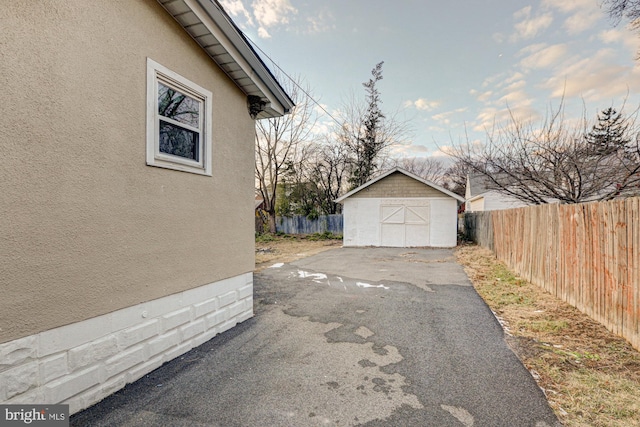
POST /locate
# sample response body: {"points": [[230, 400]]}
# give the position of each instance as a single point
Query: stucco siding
{"points": [[398, 185], [88, 228]]}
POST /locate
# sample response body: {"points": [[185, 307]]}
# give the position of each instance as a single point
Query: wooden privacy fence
{"points": [[300, 224], [586, 254]]}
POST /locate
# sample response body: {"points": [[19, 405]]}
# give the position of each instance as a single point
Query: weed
{"points": [[265, 238], [548, 325], [327, 235]]}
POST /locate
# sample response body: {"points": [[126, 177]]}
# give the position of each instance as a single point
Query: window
{"points": [[178, 122]]}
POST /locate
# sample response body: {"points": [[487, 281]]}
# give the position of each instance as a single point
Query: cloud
{"points": [[270, 13], [529, 27], [492, 79], [409, 150], [236, 8], [516, 85], [445, 118], [481, 96], [265, 14], [517, 98], [543, 56], [584, 14], [323, 22], [580, 22], [514, 77], [624, 36], [491, 117], [523, 13], [597, 77], [423, 104]]}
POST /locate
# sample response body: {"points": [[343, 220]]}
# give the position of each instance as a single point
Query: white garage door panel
{"points": [[417, 215], [404, 223], [392, 214], [416, 235], [392, 235]]}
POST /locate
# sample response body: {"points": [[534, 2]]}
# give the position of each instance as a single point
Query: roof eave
{"points": [[211, 27]]}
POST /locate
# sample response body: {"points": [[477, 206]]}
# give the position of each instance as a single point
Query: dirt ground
{"points": [[275, 249], [590, 376]]}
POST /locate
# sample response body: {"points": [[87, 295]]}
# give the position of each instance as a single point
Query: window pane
{"points": [[178, 106], [179, 142]]}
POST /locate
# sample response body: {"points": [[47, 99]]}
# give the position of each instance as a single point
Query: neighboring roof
{"points": [[211, 27], [478, 184], [404, 172]]}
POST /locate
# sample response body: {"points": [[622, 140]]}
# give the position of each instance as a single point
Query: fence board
{"points": [[299, 224], [588, 255]]}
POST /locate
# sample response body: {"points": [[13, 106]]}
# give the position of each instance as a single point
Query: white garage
{"points": [[400, 209]]}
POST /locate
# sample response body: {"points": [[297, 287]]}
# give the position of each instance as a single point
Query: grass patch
{"points": [[548, 325], [327, 235], [591, 377]]}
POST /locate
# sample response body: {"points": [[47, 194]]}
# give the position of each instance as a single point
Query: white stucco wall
{"points": [[362, 218]]}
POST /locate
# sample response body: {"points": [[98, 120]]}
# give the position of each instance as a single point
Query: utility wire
{"points": [[290, 78]]}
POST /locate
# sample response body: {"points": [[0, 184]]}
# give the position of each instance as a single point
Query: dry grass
{"points": [[591, 377], [271, 249]]}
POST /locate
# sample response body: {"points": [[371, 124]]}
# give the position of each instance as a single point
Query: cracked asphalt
{"points": [[347, 337]]}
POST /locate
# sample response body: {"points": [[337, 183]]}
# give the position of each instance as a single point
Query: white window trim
{"points": [[158, 73]]}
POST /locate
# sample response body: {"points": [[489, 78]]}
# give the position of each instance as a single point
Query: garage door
{"points": [[404, 224]]}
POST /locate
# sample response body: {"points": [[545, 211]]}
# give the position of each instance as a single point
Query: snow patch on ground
{"points": [[316, 277], [367, 285]]}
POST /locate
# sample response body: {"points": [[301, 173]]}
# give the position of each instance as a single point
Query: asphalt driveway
{"points": [[372, 336]]}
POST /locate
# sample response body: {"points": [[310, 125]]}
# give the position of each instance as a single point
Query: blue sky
{"points": [[454, 67]]}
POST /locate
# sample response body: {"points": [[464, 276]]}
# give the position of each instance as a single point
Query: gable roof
{"points": [[211, 27], [404, 172], [478, 184]]}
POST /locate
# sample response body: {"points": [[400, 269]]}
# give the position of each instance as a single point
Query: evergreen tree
{"points": [[368, 143], [610, 134]]}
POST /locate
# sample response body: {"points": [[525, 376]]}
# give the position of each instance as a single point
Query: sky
{"points": [[452, 69]]}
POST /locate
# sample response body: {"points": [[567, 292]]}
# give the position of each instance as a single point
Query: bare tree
{"points": [[297, 193], [277, 140], [554, 162], [430, 168], [456, 177], [329, 172], [619, 9]]}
